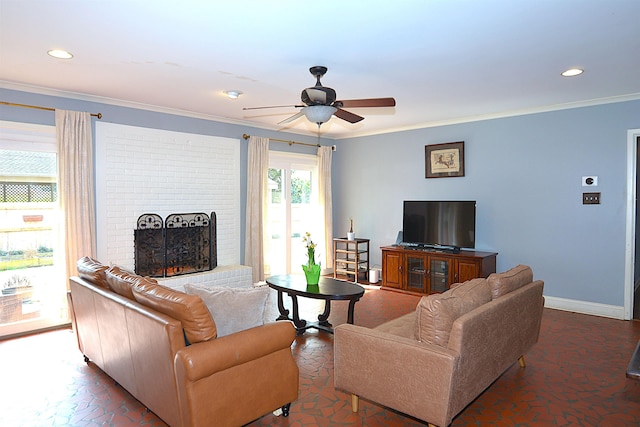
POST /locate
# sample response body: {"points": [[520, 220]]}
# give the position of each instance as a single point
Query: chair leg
{"points": [[285, 410], [354, 402], [522, 362]]}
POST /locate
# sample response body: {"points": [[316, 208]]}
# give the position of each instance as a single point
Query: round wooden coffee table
{"points": [[328, 289]]}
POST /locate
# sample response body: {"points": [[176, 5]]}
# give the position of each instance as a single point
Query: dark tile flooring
{"points": [[575, 376]]}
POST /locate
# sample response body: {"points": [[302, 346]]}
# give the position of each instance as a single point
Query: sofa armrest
{"points": [[235, 379], [206, 358], [387, 368]]}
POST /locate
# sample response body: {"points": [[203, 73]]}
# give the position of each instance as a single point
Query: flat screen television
{"points": [[446, 224]]}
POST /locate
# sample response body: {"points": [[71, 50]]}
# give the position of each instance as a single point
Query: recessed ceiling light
{"points": [[233, 94], [60, 54], [572, 72]]}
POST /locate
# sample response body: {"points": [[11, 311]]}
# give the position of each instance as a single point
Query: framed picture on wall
{"points": [[444, 160]]}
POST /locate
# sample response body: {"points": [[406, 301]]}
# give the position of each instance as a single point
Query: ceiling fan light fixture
{"points": [[233, 94], [319, 113], [572, 72]]}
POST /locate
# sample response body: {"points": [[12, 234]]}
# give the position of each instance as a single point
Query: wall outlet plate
{"points": [[590, 181]]}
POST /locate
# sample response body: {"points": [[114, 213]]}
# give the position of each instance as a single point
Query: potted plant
{"points": [[19, 285], [311, 268]]}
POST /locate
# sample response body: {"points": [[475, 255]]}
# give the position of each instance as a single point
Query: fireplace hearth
{"points": [[181, 244]]}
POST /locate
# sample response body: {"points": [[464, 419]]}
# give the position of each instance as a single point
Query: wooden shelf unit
{"points": [[351, 258], [429, 271]]}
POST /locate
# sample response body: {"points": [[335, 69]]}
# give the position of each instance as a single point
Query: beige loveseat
{"points": [[161, 345], [433, 362]]}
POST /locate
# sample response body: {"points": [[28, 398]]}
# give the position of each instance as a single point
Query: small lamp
{"points": [[319, 113]]}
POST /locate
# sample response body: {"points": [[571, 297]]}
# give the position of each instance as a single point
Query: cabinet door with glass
{"points": [[440, 274], [416, 273]]}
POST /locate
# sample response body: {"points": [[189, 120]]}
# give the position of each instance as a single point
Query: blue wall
{"points": [[525, 174]]}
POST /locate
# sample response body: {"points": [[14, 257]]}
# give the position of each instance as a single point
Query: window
{"points": [[292, 193], [33, 287]]}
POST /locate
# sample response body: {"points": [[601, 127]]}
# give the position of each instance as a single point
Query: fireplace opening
{"points": [[181, 244]]}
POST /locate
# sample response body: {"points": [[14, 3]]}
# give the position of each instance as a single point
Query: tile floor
{"points": [[575, 376]]}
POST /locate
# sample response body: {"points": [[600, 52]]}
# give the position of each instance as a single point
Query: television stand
{"points": [[430, 270]]}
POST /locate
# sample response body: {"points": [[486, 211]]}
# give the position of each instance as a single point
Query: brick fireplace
{"points": [[141, 170]]}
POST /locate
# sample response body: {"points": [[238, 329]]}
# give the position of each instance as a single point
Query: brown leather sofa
{"points": [[433, 362], [161, 346]]}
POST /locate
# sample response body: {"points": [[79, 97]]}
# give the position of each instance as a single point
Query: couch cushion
{"points": [[476, 290], [121, 281], [402, 326], [271, 312], [510, 280], [93, 271], [190, 310], [233, 309], [436, 313]]}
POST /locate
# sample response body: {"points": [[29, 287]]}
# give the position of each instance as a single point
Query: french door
{"points": [[292, 211], [31, 274]]}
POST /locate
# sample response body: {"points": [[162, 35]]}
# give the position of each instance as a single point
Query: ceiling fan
{"points": [[320, 103]]}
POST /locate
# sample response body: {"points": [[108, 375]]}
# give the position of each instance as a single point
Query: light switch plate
{"points": [[590, 198]]}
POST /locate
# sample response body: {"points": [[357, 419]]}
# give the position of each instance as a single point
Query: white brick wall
{"points": [[140, 170], [229, 276]]}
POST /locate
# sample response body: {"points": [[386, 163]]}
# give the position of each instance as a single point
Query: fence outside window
{"points": [[28, 192]]}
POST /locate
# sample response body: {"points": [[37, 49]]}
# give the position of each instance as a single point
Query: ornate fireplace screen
{"points": [[182, 244]]}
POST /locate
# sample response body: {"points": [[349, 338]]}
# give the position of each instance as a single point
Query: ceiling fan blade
{"points": [[273, 106], [292, 118], [371, 102], [348, 116]]}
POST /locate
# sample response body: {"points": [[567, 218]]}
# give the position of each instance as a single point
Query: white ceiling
{"points": [[443, 60]]}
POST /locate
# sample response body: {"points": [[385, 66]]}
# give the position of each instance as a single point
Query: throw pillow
{"points": [[476, 290], [508, 281], [93, 271], [233, 309], [121, 281], [436, 313], [190, 310], [271, 311]]}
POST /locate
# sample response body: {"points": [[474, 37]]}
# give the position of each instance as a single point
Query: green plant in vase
{"points": [[311, 269]]}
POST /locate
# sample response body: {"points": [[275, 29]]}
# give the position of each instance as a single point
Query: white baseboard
{"points": [[585, 307]]}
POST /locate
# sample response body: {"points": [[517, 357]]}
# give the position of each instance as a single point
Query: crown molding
{"points": [[423, 125], [502, 114]]}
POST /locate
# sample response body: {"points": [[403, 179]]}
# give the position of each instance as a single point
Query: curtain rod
{"points": [[11, 104], [333, 147]]}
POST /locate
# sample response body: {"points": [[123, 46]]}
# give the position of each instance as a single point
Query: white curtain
{"points": [[257, 170], [325, 154], [76, 187]]}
